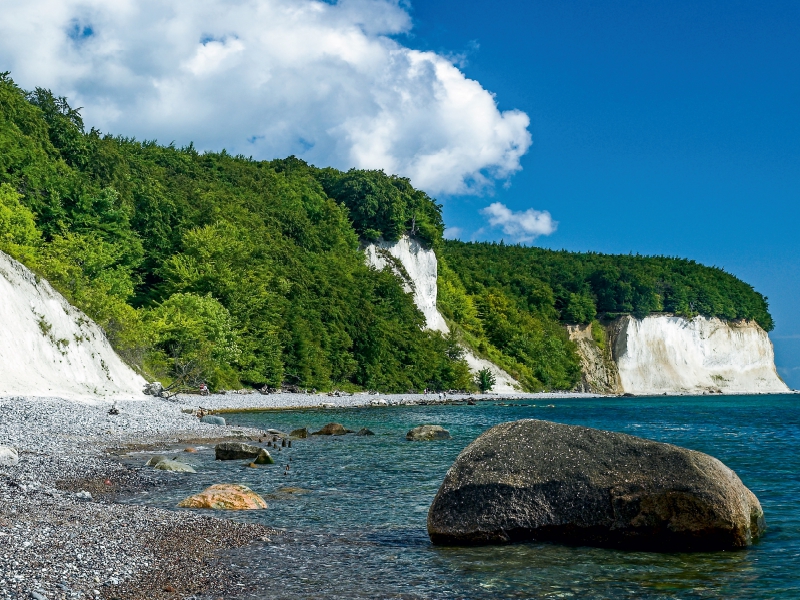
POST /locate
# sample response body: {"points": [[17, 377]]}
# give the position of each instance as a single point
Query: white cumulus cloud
{"points": [[522, 226], [330, 83]]}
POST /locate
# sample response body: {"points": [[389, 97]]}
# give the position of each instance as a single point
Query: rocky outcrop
{"points": [[48, 347], [599, 372], [664, 354], [225, 496], [428, 433], [536, 480], [417, 268], [300, 434]]}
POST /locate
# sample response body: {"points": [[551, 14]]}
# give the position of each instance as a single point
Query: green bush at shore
{"points": [[240, 272]]}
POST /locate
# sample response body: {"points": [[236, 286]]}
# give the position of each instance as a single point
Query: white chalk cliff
{"points": [[50, 348], [417, 267], [667, 354], [419, 274]]}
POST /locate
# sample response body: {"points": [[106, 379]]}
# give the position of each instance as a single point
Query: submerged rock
{"points": [[213, 420], [236, 451], [300, 434], [225, 496], [174, 465], [332, 429], [365, 431], [8, 456], [427, 433], [536, 480]]}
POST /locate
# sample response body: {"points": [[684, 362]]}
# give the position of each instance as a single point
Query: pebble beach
{"points": [[64, 535]]}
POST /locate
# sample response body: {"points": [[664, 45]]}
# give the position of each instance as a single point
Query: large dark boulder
{"points": [[535, 480]]}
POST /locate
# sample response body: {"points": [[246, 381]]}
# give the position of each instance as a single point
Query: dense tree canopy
{"points": [[235, 271], [578, 287]]}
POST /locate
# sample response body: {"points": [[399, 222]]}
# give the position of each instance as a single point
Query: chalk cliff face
{"points": [[417, 267], [50, 348], [667, 354]]}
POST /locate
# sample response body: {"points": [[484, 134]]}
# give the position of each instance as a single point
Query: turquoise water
{"points": [[358, 529]]}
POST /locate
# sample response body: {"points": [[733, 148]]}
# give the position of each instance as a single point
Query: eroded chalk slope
{"points": [[50, 348]]}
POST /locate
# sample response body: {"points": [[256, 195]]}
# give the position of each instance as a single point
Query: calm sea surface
{"points": [[357, 528]]}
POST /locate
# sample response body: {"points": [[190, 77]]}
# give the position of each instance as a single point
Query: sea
{"points": [[352, 509]]}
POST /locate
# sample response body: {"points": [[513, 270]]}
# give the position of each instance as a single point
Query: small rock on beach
{"points": [[8, 456]]}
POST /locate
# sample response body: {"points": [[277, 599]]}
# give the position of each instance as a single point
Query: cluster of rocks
{"points": [[232, 401], [61, 533], [62, 536], [421, 433]]}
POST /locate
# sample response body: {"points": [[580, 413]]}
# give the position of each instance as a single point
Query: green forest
{"points": [[220, 268]]}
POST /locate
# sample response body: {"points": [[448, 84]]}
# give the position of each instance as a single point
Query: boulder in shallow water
{"points": [[8, 456], [213, 420], [300, 434], [536, 480], [365, 431], [154, 460], [332, 429], [427, 433], [175, 466], [264, 458], [236, 451], [225, 496]]}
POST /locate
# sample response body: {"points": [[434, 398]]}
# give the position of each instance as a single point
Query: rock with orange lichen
{"points": [[225, 496]]}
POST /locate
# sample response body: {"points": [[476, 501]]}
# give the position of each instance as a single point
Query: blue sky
{"points": [[665, 127], [658, 127]]}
